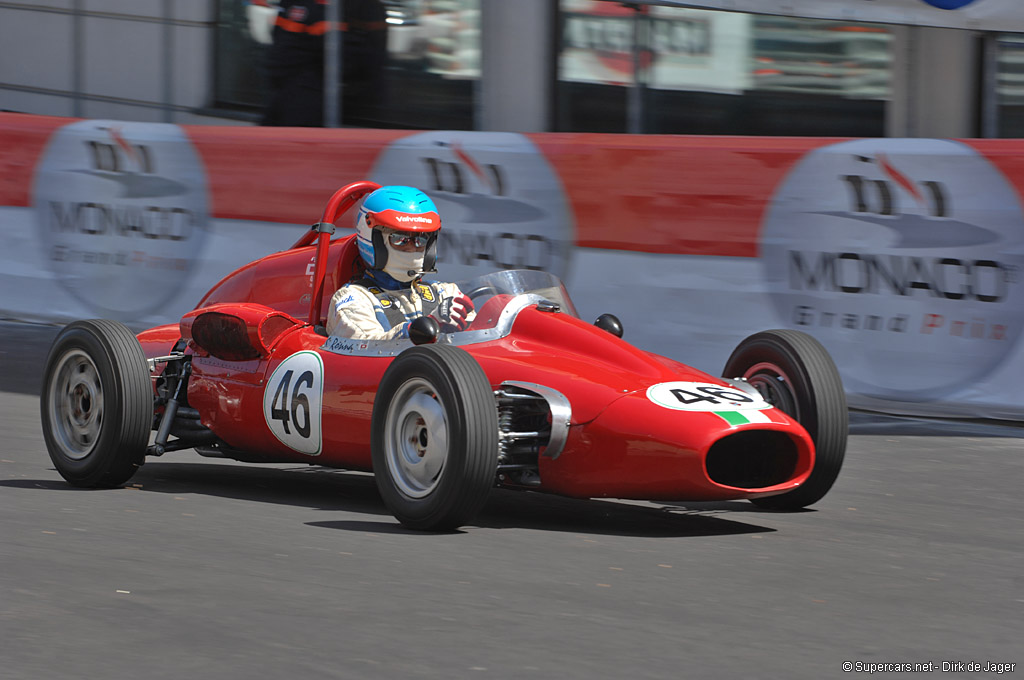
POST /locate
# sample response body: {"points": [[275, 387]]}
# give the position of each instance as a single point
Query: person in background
{"points": [[295, 63]]}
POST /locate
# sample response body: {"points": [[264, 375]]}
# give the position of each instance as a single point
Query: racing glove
{"points": [[454, 314]]}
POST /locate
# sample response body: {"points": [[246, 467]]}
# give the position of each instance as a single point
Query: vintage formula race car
{"points": [[529, 396]]}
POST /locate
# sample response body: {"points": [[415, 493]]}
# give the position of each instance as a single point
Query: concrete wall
{"points": [[153, 61], [142, 60]]}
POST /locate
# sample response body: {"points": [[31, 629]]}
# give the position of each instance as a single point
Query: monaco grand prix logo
{"points": [[121, 211], [904, 257]]}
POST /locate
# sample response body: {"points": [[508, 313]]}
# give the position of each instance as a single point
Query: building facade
{"points": [[898, 68]]}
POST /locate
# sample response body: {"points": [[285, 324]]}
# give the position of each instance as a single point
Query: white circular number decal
{"points": [[293, 400], [693, 396]]}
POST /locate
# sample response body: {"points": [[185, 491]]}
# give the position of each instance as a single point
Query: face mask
{"points": [[400, 264]]}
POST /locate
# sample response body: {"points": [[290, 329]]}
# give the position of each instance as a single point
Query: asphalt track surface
{"points": [[208, 569]]}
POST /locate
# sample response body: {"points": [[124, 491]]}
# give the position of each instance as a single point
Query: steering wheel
{"points": [[480, 291], [487, 314]]}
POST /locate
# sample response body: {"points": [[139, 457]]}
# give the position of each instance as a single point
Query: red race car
{"points": [[529, 396]]}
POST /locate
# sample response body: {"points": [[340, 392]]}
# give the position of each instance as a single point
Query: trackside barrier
{"points": [[905, 257]]}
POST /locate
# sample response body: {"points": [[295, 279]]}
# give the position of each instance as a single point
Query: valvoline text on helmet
{"points": [[403, 221]]}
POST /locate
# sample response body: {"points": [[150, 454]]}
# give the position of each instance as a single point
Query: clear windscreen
{"points": [[493, 293], [497, 298]]}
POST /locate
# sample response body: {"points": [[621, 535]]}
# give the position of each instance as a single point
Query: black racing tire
{"points": [[434, 438], [795, 373], [96, 404]]}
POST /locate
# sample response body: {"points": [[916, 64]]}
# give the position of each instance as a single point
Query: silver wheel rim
{"points": [[76, 404], [775, 386], [416, 438]]}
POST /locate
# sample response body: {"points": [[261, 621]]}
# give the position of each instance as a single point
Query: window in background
{"points": [[434, 50], [241, 40], [702, 70], [1010, 85], [712, 72], [819, 77], [595, 66], [406, 63]]}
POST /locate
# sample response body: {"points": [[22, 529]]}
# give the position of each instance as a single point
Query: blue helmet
{"points": [[396, 208]]}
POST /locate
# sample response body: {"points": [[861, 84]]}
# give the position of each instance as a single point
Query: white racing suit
{"points": [[366, 311]]}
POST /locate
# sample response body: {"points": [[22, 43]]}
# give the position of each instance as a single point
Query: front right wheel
{"points": [[794, 373], [434, 438]]}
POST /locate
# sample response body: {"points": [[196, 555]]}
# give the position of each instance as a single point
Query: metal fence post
{"points": [[635, 103], [332, 65], [167, 68], [77, 57]]}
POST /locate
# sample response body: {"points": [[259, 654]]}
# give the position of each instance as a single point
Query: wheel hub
{"points": [[416, 445], [774, 385], [76, 404], [420, 438]]}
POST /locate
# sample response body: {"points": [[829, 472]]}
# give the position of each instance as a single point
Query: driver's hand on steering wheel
{"points": [[455, 314]]}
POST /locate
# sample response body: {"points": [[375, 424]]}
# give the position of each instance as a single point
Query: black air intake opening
{"points": [[752, 459]]}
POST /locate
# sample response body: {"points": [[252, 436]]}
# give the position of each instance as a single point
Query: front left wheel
{"points": [[97, 404], [434, 437]]}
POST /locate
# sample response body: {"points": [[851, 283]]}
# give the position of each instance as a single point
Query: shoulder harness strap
{"points": [[394, 315]]}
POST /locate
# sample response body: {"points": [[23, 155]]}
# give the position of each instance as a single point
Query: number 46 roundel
{"points": [[292, 402]]}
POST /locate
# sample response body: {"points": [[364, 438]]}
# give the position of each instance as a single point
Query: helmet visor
{"points": [[403, 221], [400, 240]]}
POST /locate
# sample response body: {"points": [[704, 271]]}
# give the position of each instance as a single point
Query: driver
{"points": [[396, 231]]}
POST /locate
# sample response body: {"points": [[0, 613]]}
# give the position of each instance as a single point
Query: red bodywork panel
{"points": [[620, 442], [284, 281]]}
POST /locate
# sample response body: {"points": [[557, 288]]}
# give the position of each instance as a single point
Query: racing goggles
{"points": [[399, 240]]}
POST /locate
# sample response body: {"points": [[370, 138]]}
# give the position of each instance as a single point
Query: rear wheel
{"points": [[795, 373], [435, 437], [97, 403]]}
